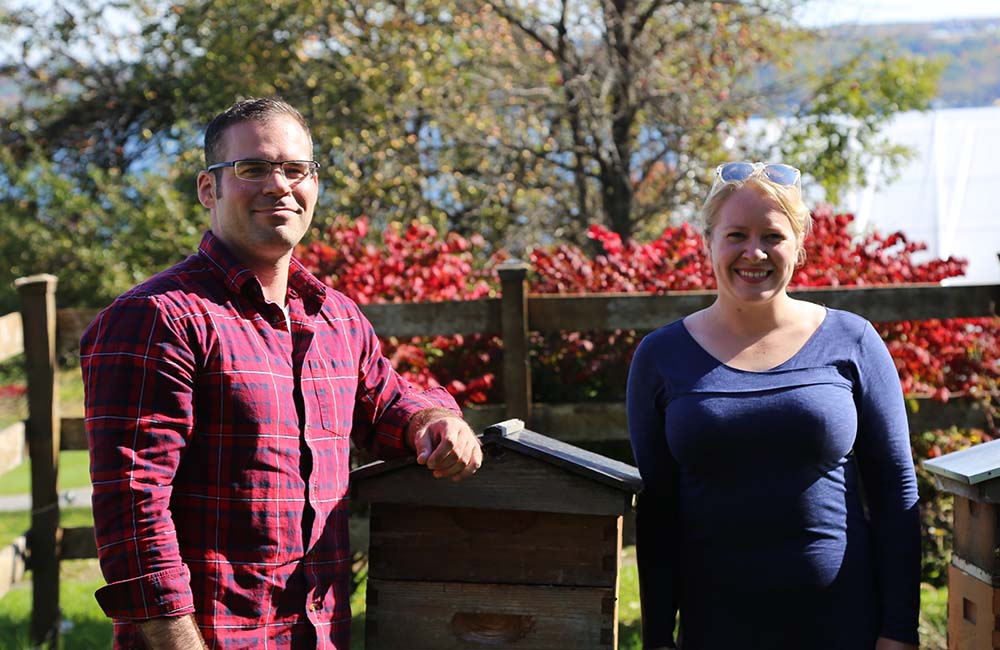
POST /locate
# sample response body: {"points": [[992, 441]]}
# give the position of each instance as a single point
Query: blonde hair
{"points": [[787, 197]]}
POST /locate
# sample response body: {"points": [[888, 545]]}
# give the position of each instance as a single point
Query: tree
{"points": [[627, 105], [523, 121]]}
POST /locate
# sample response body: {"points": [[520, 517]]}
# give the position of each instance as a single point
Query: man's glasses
{"points": [[737, 172], [259, 170]]}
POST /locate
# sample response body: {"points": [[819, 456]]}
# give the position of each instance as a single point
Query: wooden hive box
{"points": [[524, 554], [973, 476]]}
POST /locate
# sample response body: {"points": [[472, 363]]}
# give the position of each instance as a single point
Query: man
{"points": [[221, 397]]}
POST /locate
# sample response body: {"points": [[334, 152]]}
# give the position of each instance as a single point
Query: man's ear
{"points": [[206, 189]]}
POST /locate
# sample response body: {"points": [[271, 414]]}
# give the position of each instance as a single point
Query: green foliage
{"points": [[836, 131], [518, 121], [99, 233]]}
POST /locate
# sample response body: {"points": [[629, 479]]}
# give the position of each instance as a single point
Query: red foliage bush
{"points": [[12, 391], [415, 263], [934, 358]]}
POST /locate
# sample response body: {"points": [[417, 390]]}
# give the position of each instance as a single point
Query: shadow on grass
{"points": [[15, 634], [630, 635], [358, 632]]}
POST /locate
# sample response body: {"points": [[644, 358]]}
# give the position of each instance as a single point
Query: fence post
{"points": [[514, 329], [38, 318]]}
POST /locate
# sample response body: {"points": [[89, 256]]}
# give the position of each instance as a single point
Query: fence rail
{"points": [[41, 333], [11, 336], [13, 563]]}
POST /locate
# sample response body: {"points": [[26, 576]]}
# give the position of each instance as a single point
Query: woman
{"points": [[753, 423]]}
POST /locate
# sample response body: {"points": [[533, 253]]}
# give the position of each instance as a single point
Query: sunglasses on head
{"points": [[737, 172]]}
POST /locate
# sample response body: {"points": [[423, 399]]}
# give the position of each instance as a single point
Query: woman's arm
{"points": [[886, 463], [891, 644], [657, 511]]}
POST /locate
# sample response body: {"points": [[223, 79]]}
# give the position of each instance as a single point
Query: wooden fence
{"points": [[40, 331]]}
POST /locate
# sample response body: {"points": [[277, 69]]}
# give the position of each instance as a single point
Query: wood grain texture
{"points": [[493, 546], [435, 318], [38, 313], [650, 311], [506, 481], [973, 608], [514, 331], [551, 313], [976, 536], [450, 616]]}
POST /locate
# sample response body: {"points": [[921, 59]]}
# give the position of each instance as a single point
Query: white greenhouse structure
{"points": [[948, 195]]}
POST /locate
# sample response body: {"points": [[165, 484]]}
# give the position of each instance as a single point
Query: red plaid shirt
{"points": [[219, 449]]}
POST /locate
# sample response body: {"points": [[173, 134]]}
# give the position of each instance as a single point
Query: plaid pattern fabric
{"points": [[219, 447]]}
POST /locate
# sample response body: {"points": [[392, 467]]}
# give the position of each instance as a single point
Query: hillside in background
{"points": [[970, 48]]}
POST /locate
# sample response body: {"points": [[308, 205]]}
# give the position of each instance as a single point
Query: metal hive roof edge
{"points": [[971, 466], [585, 463], [582, 462]]}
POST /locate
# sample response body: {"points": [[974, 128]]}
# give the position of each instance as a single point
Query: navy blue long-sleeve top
{"points": [[751, 520]]}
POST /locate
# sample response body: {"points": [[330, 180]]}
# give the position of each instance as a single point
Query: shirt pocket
{"points": [[329, 390]]}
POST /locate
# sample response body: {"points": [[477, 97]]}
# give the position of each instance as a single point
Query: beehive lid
{"points": [[522, 470], [971, 472], [973, 465], [511, 434]]}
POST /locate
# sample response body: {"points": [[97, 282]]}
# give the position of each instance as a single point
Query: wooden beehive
{"points": [[973, 476], [524, 554]]}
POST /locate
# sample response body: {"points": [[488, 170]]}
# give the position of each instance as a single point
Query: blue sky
{"points": [[825, 12]]}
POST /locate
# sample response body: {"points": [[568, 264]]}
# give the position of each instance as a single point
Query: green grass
{"points": [[629, 614], [73, 465], [358, 616], [14, 524], [74, 472], [84, 624], [86, 627], [933, 617]]}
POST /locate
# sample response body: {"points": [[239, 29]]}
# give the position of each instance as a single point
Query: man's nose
{"points": [[277, 182]]}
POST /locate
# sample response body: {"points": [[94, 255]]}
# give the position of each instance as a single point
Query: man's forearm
{"points": [[176, 633], [422, 418]]}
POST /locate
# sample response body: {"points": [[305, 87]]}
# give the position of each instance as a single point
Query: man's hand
{"points": [[889, 644], [444, 443]]}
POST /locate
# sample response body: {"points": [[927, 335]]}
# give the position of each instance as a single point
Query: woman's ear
{"points": [[800, 256], [206, 189]]}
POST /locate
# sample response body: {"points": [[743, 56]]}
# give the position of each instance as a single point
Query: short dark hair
{"points": [[253, 109]]}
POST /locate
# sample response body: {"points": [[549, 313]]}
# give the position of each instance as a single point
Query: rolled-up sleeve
{"points": [[138, 381], [386, 401]]}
